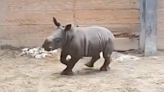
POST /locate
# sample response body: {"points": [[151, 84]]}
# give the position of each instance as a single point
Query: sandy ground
{"points": [[24, 74]]}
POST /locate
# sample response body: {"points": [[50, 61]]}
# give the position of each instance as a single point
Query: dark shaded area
{"points": [[129, 35], [9, 47], [10, 51]]}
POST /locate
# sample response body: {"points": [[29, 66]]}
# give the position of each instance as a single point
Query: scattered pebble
{"points": [[154, 57], [124, 57]]}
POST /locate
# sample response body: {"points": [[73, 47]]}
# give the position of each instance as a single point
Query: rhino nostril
{"points": [[50, 48]]}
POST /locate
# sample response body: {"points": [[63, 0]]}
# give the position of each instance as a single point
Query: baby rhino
{"points": [[80, 42]]}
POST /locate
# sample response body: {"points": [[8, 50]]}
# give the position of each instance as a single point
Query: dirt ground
{"points": [[24, 74]]}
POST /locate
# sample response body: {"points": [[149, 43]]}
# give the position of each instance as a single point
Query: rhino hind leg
{"points": [[107, 56], [105, 66], [93, 60]]}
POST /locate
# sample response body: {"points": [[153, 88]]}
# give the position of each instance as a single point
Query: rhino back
{"points": [[90, 40]]}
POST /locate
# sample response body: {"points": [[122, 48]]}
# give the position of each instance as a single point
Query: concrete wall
{"points": [[161, 24], [28, 22]]}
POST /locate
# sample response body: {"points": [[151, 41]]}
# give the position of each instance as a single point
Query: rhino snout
{"points": [[46, 46]]}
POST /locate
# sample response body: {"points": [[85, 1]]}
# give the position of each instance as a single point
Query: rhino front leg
{"points": [[93, 60], [70, 64], [63, 59]]}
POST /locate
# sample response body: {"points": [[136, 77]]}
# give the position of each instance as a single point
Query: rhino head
{"points": [[58, 37]]}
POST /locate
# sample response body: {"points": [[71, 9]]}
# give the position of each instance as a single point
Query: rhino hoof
{"points": [[88, 65], [104, 69], [67, 73]]}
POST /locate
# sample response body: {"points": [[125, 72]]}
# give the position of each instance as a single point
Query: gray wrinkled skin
{"points": [[81, 42]]}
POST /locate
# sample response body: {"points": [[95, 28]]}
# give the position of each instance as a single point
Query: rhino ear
{"points": [[56, 22], [68, 27]]}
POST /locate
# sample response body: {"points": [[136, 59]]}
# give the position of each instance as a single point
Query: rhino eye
{"points": [[57, 40]]}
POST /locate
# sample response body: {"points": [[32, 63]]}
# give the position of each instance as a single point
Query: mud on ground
{"points": [[25, 74]]}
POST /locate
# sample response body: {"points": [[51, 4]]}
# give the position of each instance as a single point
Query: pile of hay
{"points": [[38, 52]]}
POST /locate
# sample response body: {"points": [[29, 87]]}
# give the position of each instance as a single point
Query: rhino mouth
{"points": [[48, 49]]}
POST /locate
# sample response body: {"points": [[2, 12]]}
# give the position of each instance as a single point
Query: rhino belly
{"points": [[93, 49]]}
